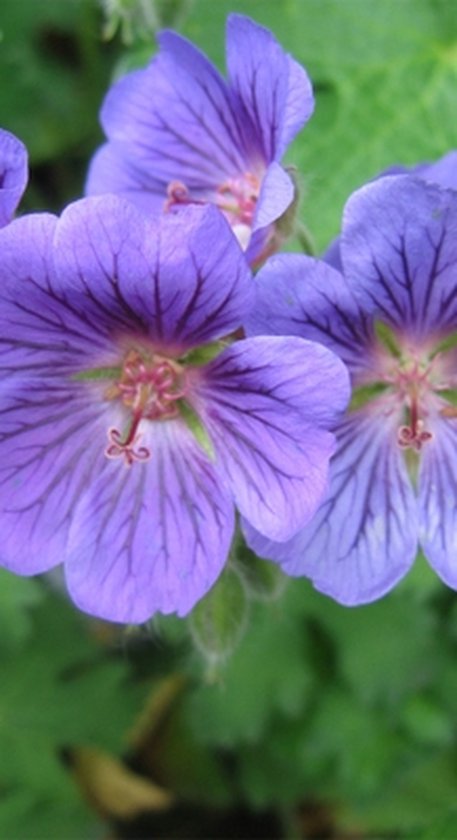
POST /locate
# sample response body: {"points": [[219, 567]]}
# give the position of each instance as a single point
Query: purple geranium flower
{"points": [[13, 174], [392, 317], [442, 172], [178, 133], [128, 431]]}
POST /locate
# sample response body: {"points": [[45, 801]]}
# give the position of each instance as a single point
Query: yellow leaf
{"points": [[114, 790]]}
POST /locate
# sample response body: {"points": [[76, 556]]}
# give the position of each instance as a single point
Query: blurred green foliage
{"points": [[333, 720]]}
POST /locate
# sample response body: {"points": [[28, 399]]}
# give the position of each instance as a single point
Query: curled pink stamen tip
{"points": [[125, 449], [413, 438]]}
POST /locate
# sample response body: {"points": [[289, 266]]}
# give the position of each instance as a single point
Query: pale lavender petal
{"points": [[332, 255], [41, 328], [275, 90], [258, 246], [110, 173], [152, 537], [437, 499], [402, 264], [442, 171], [299, 104], [276, 195], [101, 255], [177, 117], [298, 295], [13, 174], [52, 437], [363, 539], [205, 288], [180, 283], [266, 403]]}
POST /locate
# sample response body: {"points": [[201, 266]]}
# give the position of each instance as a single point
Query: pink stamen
{"points": [[236, 197], [150, 387]]}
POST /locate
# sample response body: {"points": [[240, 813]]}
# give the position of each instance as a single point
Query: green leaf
{"points": [[62, 815], [56, 76], [419, 795], [350, 747], [58, 691], [427, 721], [17, 596], [444, 828], [396, 636], [269, 672]]}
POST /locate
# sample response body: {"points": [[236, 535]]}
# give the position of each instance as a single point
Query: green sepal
{"points": [[387, 338], [450, 395], [97, 373], [286, 223], [217, 623], [193, 422], [204, 354], [448, 343], [263, 579], [363, 395], [290, 225]]}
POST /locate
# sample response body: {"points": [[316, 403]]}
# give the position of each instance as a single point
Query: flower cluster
{"points": [[152, 387]]}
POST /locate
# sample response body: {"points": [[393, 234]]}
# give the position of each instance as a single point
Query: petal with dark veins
{"points": [[268, 403], [275, 90], [177, 117], [302, 296], [152, 537], [363, 539], [52, 439], [402, 265], [438, 499], [180, 283]]}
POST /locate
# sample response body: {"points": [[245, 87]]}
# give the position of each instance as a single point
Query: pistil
{"points": [[413, 384], [149, 387], [412, 377]]}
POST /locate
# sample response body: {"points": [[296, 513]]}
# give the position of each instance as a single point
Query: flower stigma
{"points": [[149, 386], [411, 384]]}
